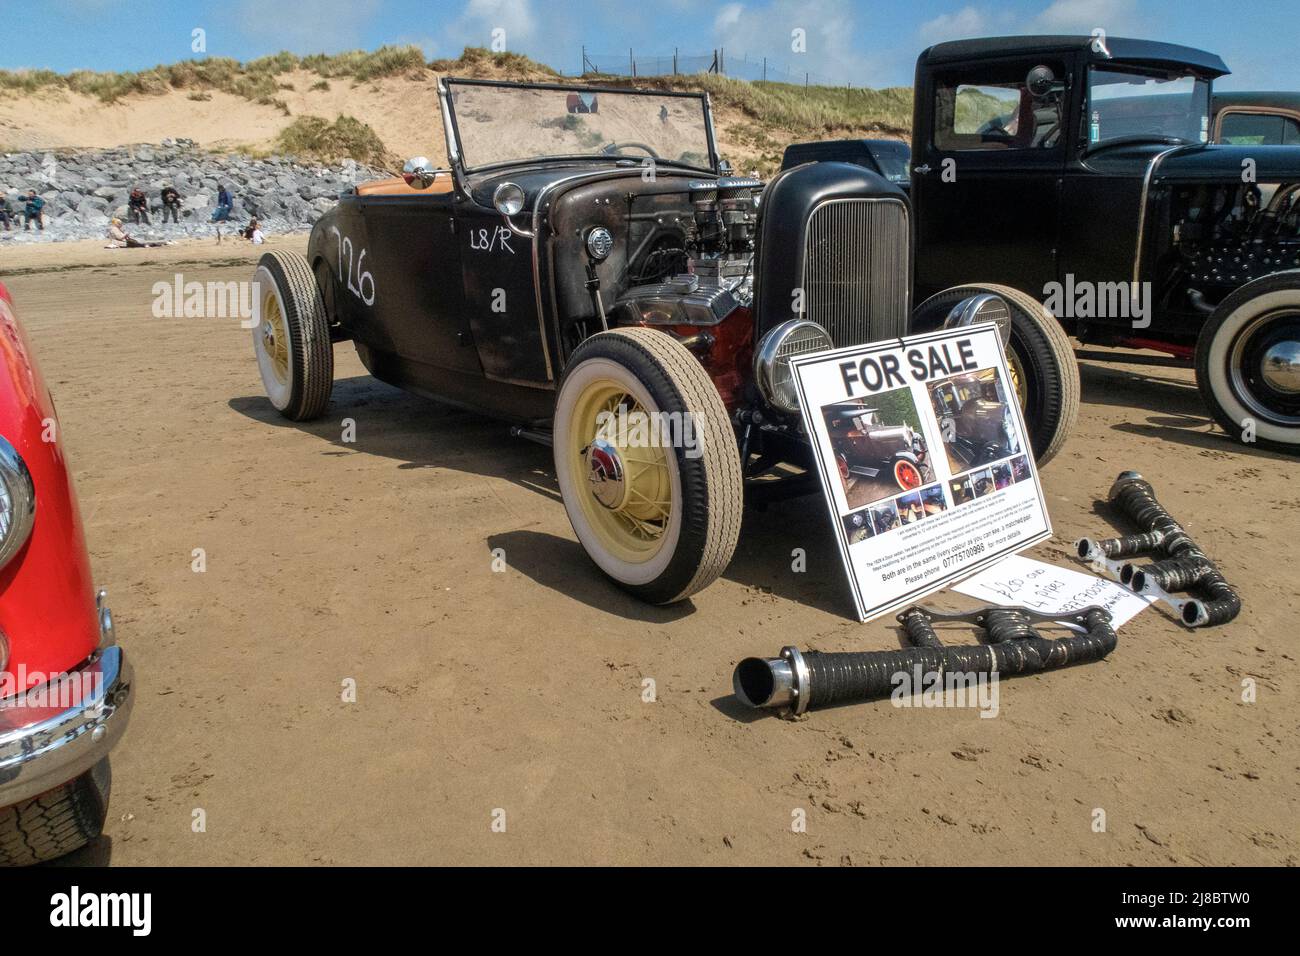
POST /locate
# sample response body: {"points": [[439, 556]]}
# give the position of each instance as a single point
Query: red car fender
{"points": [[47, 601]]}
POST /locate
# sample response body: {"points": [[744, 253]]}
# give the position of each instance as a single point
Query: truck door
{"points": [[986, 178]]}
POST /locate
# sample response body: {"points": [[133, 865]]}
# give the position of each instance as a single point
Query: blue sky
{"points": [[862, 42]]}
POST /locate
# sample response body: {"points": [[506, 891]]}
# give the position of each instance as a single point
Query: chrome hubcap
{"points": [[1263, 367], [1280, 367], [605, 474]]}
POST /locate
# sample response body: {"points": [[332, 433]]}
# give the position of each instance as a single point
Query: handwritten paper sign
{"points": [[1024, 582]]}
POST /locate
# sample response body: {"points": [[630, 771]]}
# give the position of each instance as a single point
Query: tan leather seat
{"points": [[396, 186]]}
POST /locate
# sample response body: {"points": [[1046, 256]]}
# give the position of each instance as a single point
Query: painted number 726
{"points": [[362, 276]]}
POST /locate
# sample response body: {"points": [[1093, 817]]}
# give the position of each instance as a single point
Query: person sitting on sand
{"points": [[171, 201], [120, 239], [138, 206], [253, 233]]}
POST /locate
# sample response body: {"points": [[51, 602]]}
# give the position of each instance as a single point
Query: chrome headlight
{"points": [[772, 360], [508, 198], [17, 502], [985, 307], [599, 243]]}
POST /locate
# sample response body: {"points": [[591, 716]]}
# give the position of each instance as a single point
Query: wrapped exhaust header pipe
{"points": [[1182, 567], [798, 681]]}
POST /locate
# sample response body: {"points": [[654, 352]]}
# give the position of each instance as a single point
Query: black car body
{"points": [[586, 263], [889, 158], [445, 338]]}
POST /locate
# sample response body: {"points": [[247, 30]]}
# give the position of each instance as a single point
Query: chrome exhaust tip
{"points": [[773, 682]]}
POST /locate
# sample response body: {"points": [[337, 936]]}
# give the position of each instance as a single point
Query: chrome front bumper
{"points": [[60, 745]]}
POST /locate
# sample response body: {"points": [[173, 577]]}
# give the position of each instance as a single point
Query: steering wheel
{"points": [[616, 147]]}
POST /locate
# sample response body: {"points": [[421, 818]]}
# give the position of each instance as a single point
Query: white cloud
{"points": [[476, 25], [751, 31], [1083, 16], [966, 22], [728, 17], [303, 26], [1062, 16]]}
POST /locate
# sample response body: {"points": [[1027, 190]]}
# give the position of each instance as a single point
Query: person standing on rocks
{"points": [[171, 201], [33, 209], [138, 205], [225, 206]]}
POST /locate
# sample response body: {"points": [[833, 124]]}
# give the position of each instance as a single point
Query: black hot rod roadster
{"points": [[582, 275]]}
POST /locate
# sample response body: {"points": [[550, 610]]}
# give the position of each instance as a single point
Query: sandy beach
{"points": [[522, 692]]}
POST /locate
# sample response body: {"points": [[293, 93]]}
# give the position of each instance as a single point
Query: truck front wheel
{"points": [[1248, 362]]}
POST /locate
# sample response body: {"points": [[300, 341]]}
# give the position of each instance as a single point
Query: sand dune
{"points": [[403, 111]]}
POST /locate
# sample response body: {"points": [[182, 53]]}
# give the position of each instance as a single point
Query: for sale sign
{"points": [[922, 453]]}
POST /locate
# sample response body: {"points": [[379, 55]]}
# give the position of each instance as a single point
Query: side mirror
{"points": [[1040, 81], [417, 173]]}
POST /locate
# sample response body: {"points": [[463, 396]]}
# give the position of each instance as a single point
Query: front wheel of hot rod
{"points": [[647, 464], [1248, 362], [292, 338], [1044, 373]]}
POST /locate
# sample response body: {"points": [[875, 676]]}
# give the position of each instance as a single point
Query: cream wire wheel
{"points": [[291, 339], [631, 483], [275, 344], [656, 504]]}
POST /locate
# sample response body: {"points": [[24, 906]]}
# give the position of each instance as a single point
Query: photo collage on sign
{"points": [[884, 464], [980, 438]]}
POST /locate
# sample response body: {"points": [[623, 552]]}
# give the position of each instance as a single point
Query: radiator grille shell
{"points": [[857, 273]]}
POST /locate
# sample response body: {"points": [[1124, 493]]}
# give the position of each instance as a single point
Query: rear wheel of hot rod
{"points": [[647, 464], [57, 822], [1044, 373], [1248, 362], [292, 337]]}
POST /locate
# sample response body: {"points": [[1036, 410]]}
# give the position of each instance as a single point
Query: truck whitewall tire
{"points": [[1250, 329]]}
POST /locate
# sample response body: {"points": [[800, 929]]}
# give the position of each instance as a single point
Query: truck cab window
{"points": [[996, 112], [1126, 102]]}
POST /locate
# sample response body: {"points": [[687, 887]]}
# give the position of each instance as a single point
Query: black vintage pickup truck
{"points": [[1103, 178]]}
